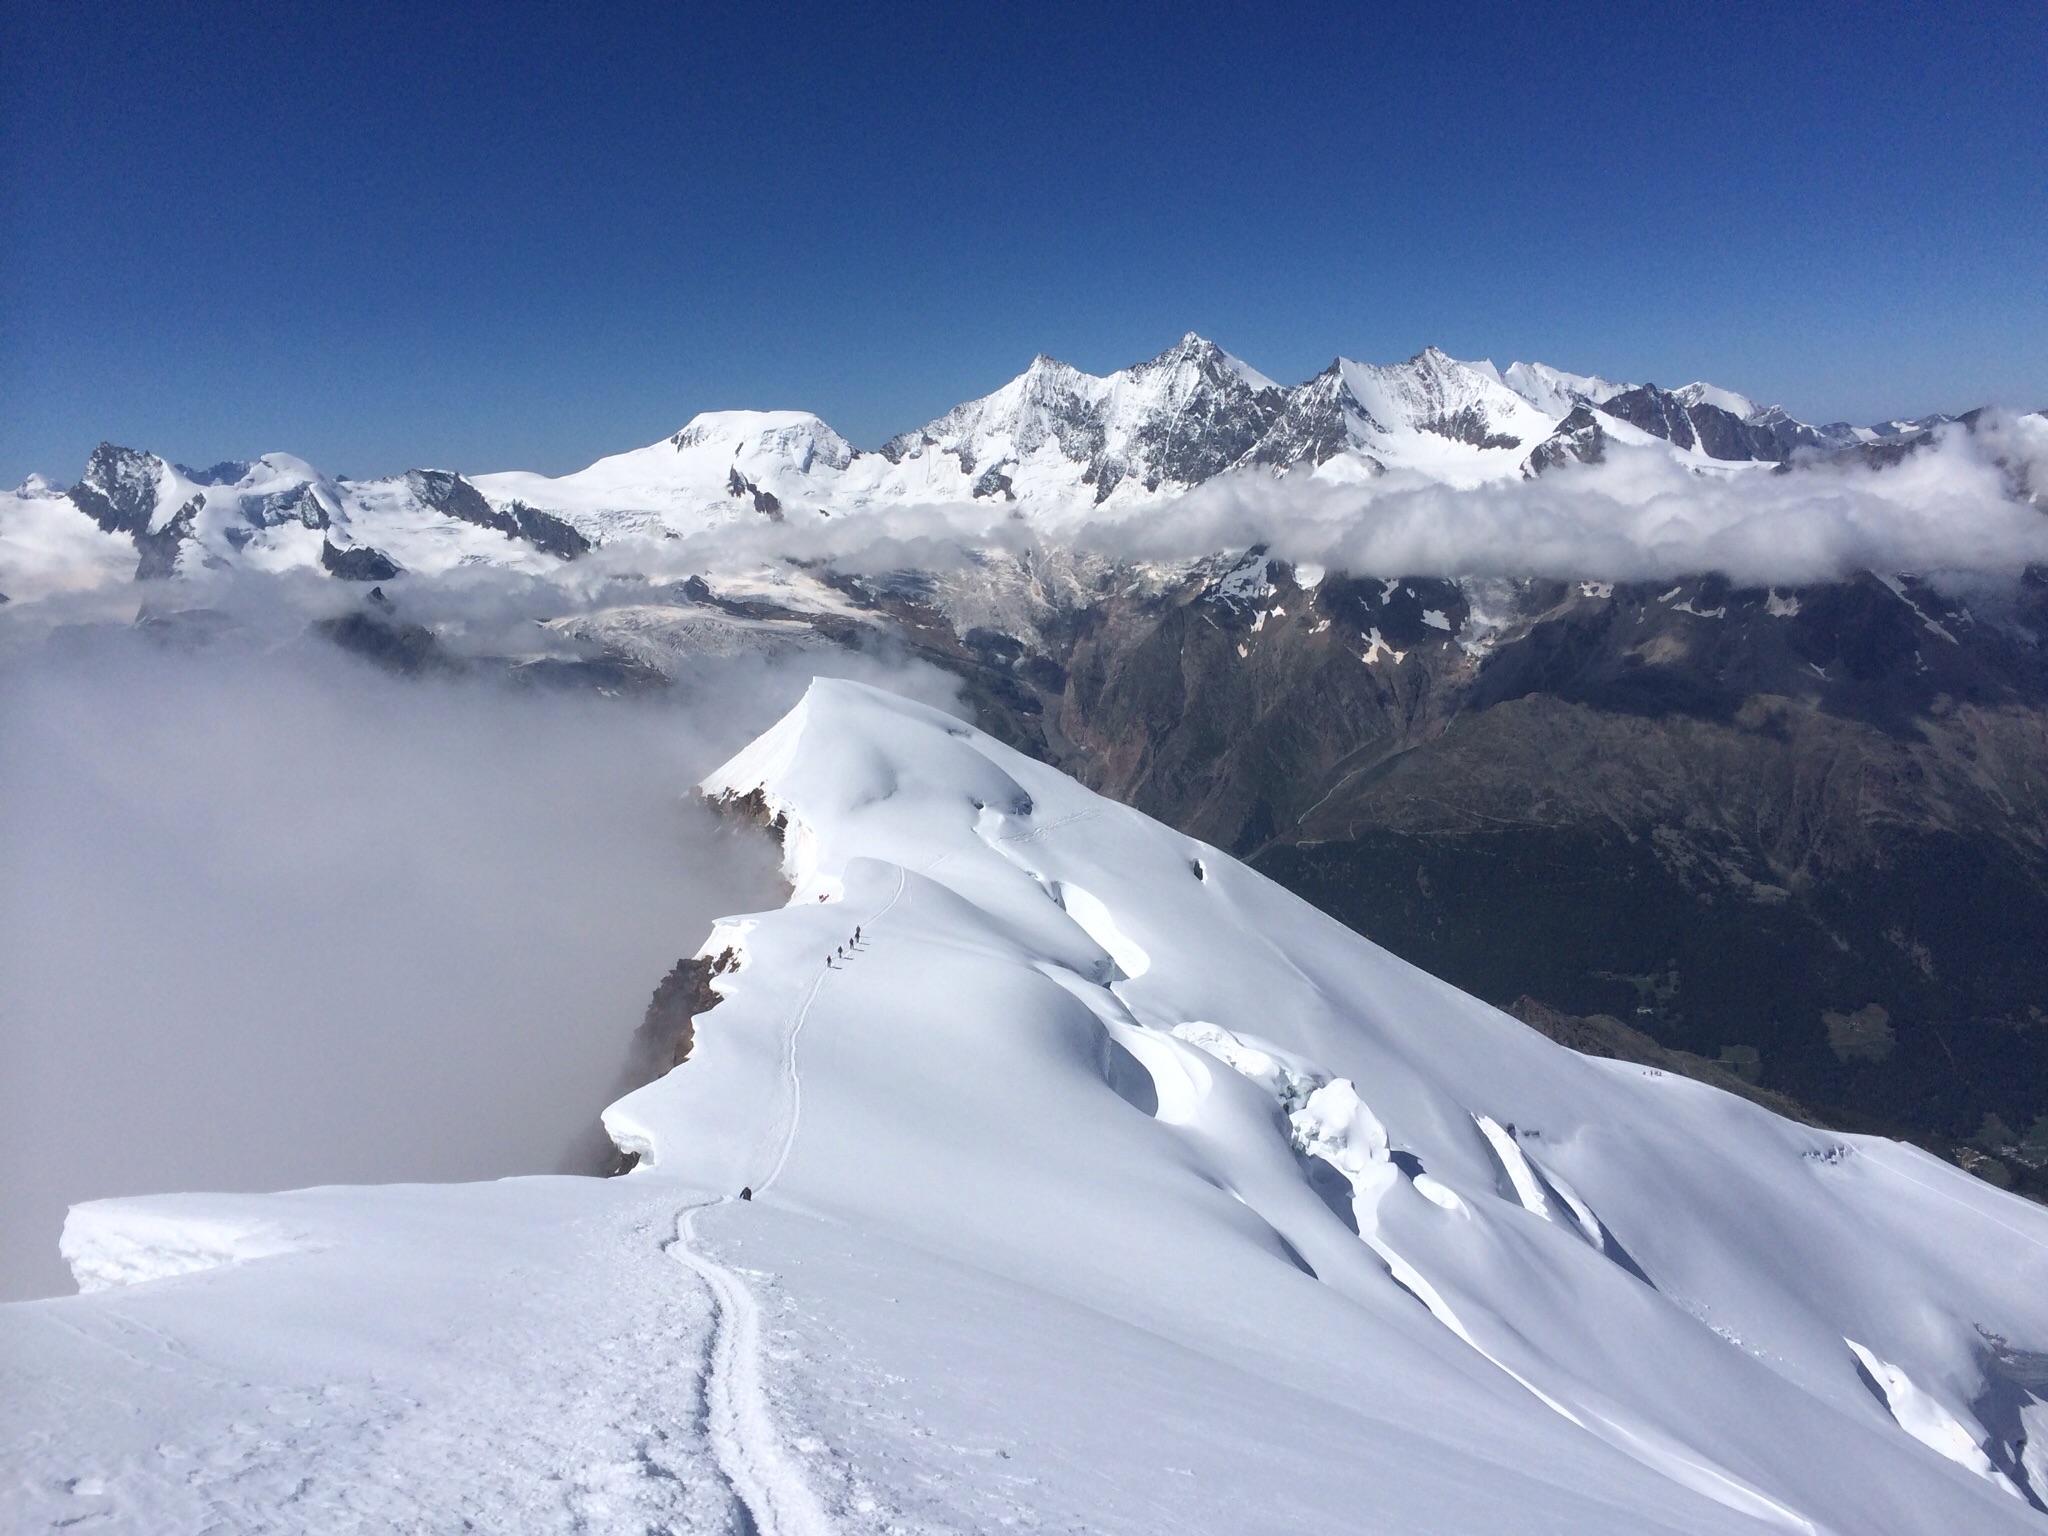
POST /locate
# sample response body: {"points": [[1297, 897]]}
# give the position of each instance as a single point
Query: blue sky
{"points": [[524, 236]]}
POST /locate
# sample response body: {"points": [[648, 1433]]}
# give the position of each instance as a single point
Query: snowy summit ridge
{"points": [[1098, 1181]]}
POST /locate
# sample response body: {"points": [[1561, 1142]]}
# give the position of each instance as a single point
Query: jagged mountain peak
{"points": [[1701, 393], [122, 488], [1170, 421], [1197, 350], [1436, 396]]}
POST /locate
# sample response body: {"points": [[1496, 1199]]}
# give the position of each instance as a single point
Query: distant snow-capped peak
{"points": [[1556, 392], [1169, 422], [792, 440]]}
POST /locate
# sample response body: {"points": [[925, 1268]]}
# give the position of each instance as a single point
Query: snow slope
{"points": [[723, 466], [1098, 1183], [1555, 392]]}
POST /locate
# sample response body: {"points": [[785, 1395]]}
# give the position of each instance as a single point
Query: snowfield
{"points": [[1097, 1183]]}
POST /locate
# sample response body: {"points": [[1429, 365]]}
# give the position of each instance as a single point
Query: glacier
{"points": [[1090, 1180]]}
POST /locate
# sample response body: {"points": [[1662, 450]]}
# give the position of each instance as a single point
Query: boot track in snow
{"points": [[742, 1429]]}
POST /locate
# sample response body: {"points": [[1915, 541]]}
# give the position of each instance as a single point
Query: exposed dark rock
{"points": [[1656, 411], [118, 489], [1468, 425], [664, 1039], [602, 674], [407, 649], [226, 472], [993, 482], [454, 496], [753, 807], [546, 532], [1715, 432], [1579, 439], [1220, 420], [298, 505], [1310, 425], [357, 563], [159, 550], [765, 502]]}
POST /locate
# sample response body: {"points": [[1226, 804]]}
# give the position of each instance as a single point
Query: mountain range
{"points": [[1056, 445]]}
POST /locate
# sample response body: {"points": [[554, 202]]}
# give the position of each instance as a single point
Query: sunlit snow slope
{"points": [[1100, 1183]]}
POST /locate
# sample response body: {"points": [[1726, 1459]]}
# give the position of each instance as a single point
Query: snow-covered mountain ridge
{"points": [[1057, 446], [1097, 1183]]}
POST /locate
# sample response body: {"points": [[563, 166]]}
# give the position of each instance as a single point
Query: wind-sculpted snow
{"points": [[1609, 1233], [1269, 1232]]}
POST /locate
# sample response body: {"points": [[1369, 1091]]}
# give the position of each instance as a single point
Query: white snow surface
{"points": [[693, 480], [1098, 1183], [1402, 416], [1556, 392]]}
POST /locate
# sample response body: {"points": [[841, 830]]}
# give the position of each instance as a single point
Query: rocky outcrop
{"points": [[546, 532], [668, 1030], [1579, 439], [158, 549], [1310, 427], [1604, 1035], [301, 504], [118, 489], [358, 562], [455, 497]]}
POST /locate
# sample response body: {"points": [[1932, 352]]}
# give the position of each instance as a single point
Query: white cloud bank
{"points": [[1638, 516], [270, 918]]}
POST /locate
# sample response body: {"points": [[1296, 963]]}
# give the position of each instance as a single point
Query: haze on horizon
{"points": [[530, 239]]}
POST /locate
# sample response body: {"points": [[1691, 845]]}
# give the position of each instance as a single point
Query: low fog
{"points": [[270, 918]]}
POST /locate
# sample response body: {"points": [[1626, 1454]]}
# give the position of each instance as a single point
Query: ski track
{"points": [[740, 1425]]}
